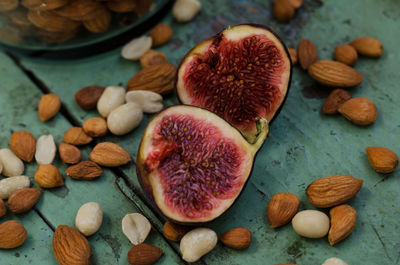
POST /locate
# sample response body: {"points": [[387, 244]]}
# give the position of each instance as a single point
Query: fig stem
{"points": [[262, 133]]}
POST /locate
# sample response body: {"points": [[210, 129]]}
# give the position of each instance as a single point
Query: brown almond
{"points": [[38, 4], [343, 221], [109, 155], [334, 100], [85, 170], [76, 136], [346, 54], [49, 106], [88, 96], [70, 247], [331, 191], [23, 200], [51, 22], [161, 34], [100, 23], [55, 37], [283, 10], [382, 160], [307, 53], [236, 238], [80, 10], [144, 254], [360, 111], [23, 144], [368, 46], [152, 57], [121, 6], [158, 78], [282, 207], [95, 127], [7, 5], [3, 209], [48, 176], [334, 74], [69, 153], [174, 232], [293, 55], [12, 234], [296, 3]]}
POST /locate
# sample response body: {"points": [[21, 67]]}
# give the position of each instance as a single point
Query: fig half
{"points": [[193, 164], [241, 74]]}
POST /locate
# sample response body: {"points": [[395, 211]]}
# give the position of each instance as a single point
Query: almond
{"points": [[283, 10], [48, 176], [7, 5], [382, 160], [360, 111], [80, 10], [38, 5], [343, 221], [346, 54], [70, 247], [334, 74], [144, 254], [368, 46], [85, 170], [88, 96], [334, 100], [23, 144], [296, 3], [49, 106], [3, 209], [293, 55], [236, 238], [330, 191], [157, 78], [174, 232], [69, 153], [100, 23], [307, 53], [152, 57], [76, 136], [121, 6], [12, 234], [95, 127], [281, 209], [23, 200], [109, 155], [161, 34]]}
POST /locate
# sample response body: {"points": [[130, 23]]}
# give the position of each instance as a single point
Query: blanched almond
{"points": [[10, 185], [12, 165], [45, 150]]}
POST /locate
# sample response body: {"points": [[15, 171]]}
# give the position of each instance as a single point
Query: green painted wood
{"points": [[304, 144], [59, 206]]}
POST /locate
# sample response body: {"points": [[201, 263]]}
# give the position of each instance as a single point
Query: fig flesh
{"points": [[193, 164], [241, 74]]}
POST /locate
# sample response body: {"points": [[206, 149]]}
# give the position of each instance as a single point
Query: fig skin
{"points": [[148, 190], [218, 35]]}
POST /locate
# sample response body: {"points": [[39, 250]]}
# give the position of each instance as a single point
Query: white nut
{"points": [[311, 223], [185, 10], [125, 118], [136, 227], [197, 243], [334, 261], [112, 98], [45, 150], [89, 218], [11, 164], [149, 101], [135, 49], [10, 185]]}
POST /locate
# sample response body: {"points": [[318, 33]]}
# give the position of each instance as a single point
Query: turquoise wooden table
{"points": [[304, 144]]}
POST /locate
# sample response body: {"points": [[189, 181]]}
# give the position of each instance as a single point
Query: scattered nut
{"points": [[136, 227], [296, 3], [76, 136], [185, 10], [161, 34], [174, 232], [368, 46], [144, 254], [281, 209], [85, 170], [69, 153], [343, 221], [336, 98], [152, 57], [236, 238], [23, 200], [95, 127], [346, 54], [293, 55], [334, 261], [283, 10], [112, 97], [89, 218], [12, 234], [10, 185], [311, 223], [12, 165], [45, 150], [197, 243], [23, 144], [3, 209], [48, 176], [382, 160], [360, 111], [150, 102], [307, 53], [88, 96], [109, 155], [135, 49], [49, 106], [125, 118]]}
